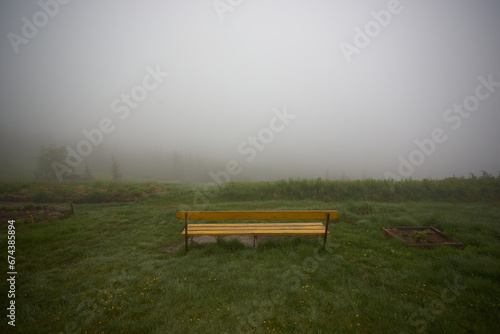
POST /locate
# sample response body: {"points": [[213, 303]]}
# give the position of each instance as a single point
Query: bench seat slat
{"points": [[256, 229]]}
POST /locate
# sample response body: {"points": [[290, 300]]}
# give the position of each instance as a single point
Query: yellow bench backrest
{"points": [[250, 215]]}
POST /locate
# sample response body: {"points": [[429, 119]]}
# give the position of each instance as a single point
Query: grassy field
{"points": [[113, 266]]}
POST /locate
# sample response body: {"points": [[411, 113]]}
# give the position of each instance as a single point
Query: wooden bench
{"points": [[256, 229]]}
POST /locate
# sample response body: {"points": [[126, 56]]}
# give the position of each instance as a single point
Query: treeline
{"points": [[483, 188], [171, 166], [181, 167], [174, 165]]}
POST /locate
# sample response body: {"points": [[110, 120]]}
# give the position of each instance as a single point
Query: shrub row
{"points": [[450, 190], [77, 192]]}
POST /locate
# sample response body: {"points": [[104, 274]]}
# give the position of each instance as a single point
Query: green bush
{"points": [[96, 196], [362, 208], [42, 196], [28, 207]]}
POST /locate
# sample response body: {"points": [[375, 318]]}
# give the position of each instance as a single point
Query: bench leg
{"points": [[254, 240], [186, 231], [326, 230]]}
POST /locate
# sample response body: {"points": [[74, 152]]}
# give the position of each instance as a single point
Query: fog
{"points": [[252, 90]]}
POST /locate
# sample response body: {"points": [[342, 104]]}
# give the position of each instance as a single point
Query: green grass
{"points": [[107, 270]]}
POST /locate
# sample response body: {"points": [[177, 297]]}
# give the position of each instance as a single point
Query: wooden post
{"points": [[326, 229], [186, 230]]}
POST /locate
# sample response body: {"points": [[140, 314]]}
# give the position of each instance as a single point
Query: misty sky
{"points": [[231, 63]]}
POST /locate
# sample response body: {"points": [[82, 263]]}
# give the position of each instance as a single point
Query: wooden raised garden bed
{"points": [[34, 213], [421, 236]]}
